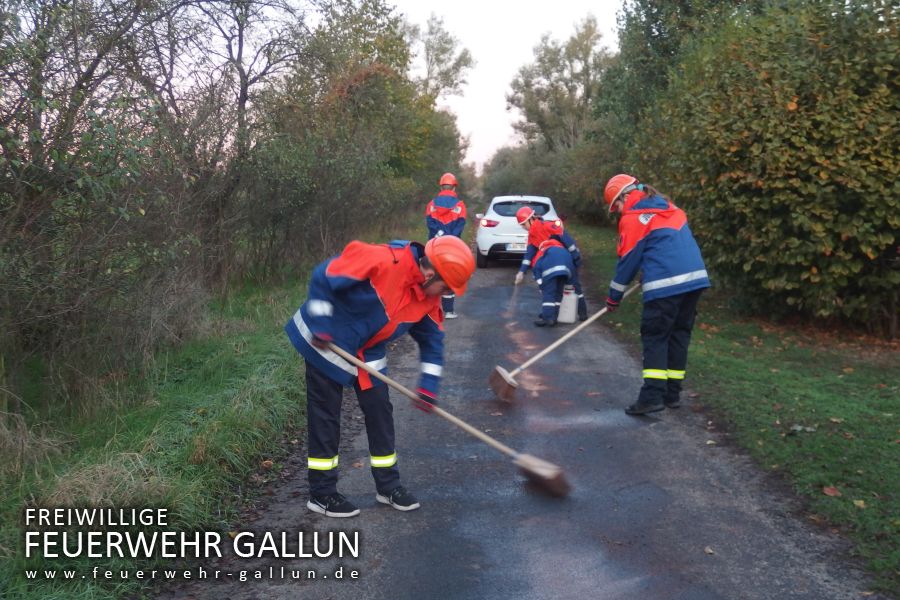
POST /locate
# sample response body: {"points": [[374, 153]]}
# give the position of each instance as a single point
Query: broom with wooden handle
{"points": [[504, 383], [543, 474]]}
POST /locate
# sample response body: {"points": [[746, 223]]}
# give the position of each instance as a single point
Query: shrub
{"points": [[779, 134]]}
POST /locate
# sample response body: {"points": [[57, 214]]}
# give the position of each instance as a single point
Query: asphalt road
{"points": [[656, 511]]}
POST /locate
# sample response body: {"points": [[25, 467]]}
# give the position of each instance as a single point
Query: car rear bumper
{"points": [[500, 251]]}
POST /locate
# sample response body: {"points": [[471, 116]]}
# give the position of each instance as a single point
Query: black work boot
{"points": [[543, 323], [639, 408], [650, 399], [673, 393]]}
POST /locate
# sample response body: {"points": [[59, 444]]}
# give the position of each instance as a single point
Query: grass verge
{"points": [[181, 437], [820, 408]]}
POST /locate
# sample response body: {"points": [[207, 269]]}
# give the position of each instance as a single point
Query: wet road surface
{"points": [[656, 512]]}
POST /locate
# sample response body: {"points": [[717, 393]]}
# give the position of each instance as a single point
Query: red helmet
{"points": [[447, 179], [615, 186], [523, 214], [453, 261]]}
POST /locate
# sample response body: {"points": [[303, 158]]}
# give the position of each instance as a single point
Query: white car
{"points": [[499, 235]]}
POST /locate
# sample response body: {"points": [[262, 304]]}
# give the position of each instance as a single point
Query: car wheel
{"points": [[481, 261]]}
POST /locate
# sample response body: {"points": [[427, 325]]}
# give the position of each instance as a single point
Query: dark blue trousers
{"points": [[551, 296], [666, 325], [323, 408]]}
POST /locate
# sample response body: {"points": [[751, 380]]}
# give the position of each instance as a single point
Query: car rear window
{"points": [[508, 209]]}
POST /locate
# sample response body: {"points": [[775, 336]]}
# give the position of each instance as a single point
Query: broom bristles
{"points": [[545, 475], [503, 385]]}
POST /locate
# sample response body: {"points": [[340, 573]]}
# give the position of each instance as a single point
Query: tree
{"points": [[555, 93], [779, 134], [653, 34], [446, 65]]}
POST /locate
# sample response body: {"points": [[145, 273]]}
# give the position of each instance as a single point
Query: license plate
{"points": [[515, 247]]}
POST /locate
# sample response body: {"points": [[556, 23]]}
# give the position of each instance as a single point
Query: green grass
{"points": [[181, 438], [821, 408], [184, 435]]}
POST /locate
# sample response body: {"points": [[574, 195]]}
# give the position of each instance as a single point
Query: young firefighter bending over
{"points": [[654, 238], [360, 300], [539, 231]]}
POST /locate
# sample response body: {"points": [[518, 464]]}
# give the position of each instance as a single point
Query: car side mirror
{"points": [[479, 215]]}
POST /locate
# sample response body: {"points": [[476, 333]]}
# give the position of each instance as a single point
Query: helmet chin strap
{"points": [[426, 264]]}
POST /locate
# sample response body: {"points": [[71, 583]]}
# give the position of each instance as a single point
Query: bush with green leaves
{"points": [[779, 134]]}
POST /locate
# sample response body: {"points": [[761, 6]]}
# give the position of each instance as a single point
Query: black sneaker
{"points": [[642, 409], [400, 499], [334, 505]]}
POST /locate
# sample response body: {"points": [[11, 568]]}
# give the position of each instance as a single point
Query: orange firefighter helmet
{"points": [[523, 214], [615, 186], [453, 261]]}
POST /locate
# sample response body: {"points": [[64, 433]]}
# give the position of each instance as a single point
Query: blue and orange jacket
{"points": [[362, 299], [654, 237], [445, 215], [542, 230], [551, 261]]}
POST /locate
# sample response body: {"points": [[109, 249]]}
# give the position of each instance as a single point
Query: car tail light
{"points": [[489, 223]]}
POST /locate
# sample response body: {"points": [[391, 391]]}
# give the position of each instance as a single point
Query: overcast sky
{"points": [[501, 37]]}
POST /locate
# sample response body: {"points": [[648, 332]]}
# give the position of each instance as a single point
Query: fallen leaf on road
{"points": [[836, 420], [266, 464], [693, 395], [859, 503], [497, 414], [594, 393], [358, 464], [710, 442], [831, 491], [232, 534], [709, 550]]}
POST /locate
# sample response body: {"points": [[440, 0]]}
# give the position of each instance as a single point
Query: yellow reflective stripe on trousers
{"points": [[675, 374], [655, 374], [384, 461], [322, 464]]}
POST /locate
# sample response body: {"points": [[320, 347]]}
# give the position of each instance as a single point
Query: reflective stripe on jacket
{"points": [[654, 237], [542, 230], [552, 261], [367, 296], [445, 215]]}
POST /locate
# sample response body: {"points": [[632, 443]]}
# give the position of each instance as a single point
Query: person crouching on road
{"points": [[446, 215], [359, 301], [654, 237], [540, 230], [553, 269]]}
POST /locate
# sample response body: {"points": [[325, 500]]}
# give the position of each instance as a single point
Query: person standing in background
{"points": [[446, 215]]}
